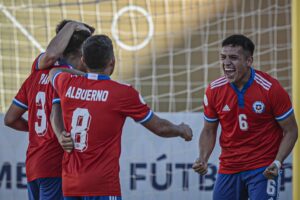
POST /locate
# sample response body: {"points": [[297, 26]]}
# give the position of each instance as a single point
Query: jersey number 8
{"points": [[80, 124]]}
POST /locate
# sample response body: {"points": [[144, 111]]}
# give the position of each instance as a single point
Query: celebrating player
{"points": [[94, 110], [44, 154], [259, 129]]}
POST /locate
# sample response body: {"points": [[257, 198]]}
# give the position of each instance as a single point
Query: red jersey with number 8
{"points": [[94, 111], [250, 135]]}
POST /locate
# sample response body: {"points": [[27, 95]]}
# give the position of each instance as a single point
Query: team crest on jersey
{"points": [[258, 107]]}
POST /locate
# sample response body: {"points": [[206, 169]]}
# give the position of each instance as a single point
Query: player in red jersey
{"points": [[44, 154], [94, 110], [259, 129]]}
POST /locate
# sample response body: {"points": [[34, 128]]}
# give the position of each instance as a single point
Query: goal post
{"points": [[296, 93]]}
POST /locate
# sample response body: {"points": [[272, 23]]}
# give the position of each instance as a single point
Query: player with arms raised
{"points": [[94, 109], [44, 153], [259, 129]]}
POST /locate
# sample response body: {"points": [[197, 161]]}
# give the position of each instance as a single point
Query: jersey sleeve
{"points": [[21, 99], [135, 107], [280, 102], [59, 81], [55, 99], [210, 113]]}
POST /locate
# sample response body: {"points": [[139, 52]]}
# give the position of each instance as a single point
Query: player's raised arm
{"points": [[60, 42], [165, 128]]}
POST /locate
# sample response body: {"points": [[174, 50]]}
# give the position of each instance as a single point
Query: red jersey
{"points": [[94, 111], [44, 153], [250, 135]]}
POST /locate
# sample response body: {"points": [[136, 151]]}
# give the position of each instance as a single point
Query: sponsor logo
{"points": [[226, 108]]}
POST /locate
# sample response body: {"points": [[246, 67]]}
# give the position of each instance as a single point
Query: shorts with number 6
{"points": [[250, 184]]}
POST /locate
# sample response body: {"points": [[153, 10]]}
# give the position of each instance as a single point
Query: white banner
{"points": [[151, 167]]}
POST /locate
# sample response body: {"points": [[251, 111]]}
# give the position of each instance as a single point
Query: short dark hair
{"points": [[240, 40], [97, 51], [77, 38]]}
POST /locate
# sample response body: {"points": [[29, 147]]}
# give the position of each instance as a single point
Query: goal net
{"points": [[168, 50]]}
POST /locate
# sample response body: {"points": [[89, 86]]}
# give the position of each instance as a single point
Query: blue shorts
{"points": [[248, 184], [94, 198], [45, 189]]}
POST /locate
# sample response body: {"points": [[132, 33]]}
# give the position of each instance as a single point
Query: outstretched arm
{"points": [[59, 43], [165, 128], [207, 143], [290, 131], [13, 118]]}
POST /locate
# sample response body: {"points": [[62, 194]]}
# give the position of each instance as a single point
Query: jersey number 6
{"points": [[242, 122]]}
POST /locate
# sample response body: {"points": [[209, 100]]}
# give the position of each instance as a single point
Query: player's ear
{"points": [[112, 65], [82, 60], [249, 60]]}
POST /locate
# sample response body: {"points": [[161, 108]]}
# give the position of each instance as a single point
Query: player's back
{"points": [[94, 112], [44, 154]]}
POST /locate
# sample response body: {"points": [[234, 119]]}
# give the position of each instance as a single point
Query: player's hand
{"points": [[271, 172], [200, 166], [66, 141], [187, 133]]}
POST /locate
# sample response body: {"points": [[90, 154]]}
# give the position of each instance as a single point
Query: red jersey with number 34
{"points": [[94, 111], [251, 135], [44, 154]]}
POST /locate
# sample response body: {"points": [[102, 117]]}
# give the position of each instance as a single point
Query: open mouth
{"points": [[229, 72]]}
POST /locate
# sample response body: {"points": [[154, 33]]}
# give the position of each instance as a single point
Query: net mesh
{"points": [[168, 50]]}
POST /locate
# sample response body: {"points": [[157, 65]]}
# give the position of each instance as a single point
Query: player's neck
{"points": [[244, 79], [97, 71], [73, 60]]}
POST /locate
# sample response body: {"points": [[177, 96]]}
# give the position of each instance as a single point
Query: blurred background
{"points": [[168, 50]]}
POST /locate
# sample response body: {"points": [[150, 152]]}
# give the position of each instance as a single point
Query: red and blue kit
{"points": [[94, 111], [251, 134], [36, 96]]}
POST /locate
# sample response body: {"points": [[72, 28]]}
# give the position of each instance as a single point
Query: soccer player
{"points": [[44, 154], [259, 129], [94, 110]]}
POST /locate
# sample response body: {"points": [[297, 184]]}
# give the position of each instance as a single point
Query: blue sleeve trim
{"points": [[211, 119], [285, 115], [56, 100], [38, 61], [54, 77], [147, 118], [20, 104]]}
